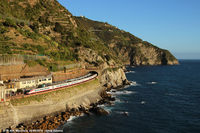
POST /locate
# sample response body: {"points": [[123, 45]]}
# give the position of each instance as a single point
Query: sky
{"points": [[168, 24]]}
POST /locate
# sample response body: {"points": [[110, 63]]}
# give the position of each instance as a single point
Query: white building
{"points": [[34, 81]]}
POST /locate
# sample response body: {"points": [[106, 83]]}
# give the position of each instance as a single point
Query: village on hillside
{"points": [[18, 78]]}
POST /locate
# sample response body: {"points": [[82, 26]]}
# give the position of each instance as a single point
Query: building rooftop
{"points": [[34, 78]]}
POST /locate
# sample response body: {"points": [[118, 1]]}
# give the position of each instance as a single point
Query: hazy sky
{"points": [[169, 24]]}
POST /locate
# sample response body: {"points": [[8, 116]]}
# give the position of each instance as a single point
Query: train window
{"points": [[49, 79], [24, 82]]}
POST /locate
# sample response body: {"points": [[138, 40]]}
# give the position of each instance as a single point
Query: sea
{"points": [[160, 99]]}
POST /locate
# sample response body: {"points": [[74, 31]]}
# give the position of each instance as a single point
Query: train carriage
{"points": [[66, 83]]}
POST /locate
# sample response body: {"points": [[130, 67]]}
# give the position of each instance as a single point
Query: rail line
{"points": [[56, 89]]}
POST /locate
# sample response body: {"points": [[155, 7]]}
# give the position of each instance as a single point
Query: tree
{"points": [[35, 27], [58, 28], [10, 23], [64, 69]]}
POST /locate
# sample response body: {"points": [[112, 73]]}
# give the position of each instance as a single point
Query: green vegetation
{"points": [[30, 63], [28, 34], [107, 32], [9, 23]]}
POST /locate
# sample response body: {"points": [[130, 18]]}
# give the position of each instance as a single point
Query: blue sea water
{"points": [[161, 99]]}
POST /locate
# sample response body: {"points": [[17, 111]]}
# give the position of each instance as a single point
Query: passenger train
{"points": [[66, 83]]}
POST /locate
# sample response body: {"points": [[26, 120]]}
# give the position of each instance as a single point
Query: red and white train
{"points": [[66, 83]]}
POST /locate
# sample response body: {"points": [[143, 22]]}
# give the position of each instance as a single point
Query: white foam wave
{"points": [[71, 118], [125, 92], [110, 92], [151, 83], [134, 83], [117, 100], [101, 106], [130, 72], [123, 113], [143, 102]]}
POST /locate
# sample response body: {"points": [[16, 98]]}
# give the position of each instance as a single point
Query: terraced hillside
{"points": [[44, 27], [129, 48]]}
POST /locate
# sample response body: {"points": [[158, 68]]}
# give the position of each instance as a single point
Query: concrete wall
{"points": [[16, 71], [60, 76]]}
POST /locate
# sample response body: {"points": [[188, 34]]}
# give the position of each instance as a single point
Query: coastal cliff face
{"points": [[111, 75], [112, 78], [128, 48], [91, 58], [147, 54]]}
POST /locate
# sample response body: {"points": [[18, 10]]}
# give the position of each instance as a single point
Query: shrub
{"points": [[44, 20], [3, 30], [53, 67], [10, 23], [35, 27], [58, 28], [28, 34], [40, 49], [30, 63], [41, 62]]}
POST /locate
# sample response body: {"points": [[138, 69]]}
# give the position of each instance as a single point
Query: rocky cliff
{"points": [[112, 78], [111, 74], [128, 48]]}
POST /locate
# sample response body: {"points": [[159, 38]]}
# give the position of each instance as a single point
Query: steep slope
{"points": [[129, 48], [44, 27]]}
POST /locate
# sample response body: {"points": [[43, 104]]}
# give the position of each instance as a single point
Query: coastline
{"points": [[71, 101], [55, 120]]}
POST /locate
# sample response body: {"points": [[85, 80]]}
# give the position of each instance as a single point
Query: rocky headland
{"points": [[44, 33]]}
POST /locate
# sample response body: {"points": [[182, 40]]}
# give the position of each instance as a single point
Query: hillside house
{"points": [[10, 87], [23, 83]]}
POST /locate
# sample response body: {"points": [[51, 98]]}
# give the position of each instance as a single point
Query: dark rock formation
{"points": [[98, 111]]}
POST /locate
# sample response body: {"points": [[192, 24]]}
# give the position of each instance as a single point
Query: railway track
{"points": [[55, 89]]}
